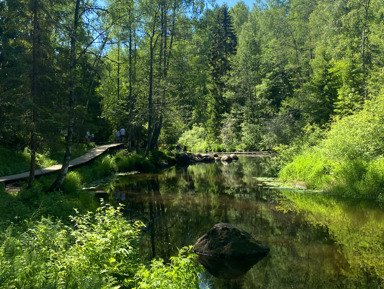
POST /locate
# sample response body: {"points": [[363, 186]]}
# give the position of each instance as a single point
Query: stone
{"points": [[225, 240], [234, 157], [227, 159]]}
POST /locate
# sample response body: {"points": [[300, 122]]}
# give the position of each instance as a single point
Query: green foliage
{"points": [[311, 167], [100, 168], [251, 138], [99, 251], [156, 157], [94, 250], [72, 183], [12, 162], [194, 139], [348, 160], [182, 272]]}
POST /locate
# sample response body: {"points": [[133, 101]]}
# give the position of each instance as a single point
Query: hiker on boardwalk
{"points": [[122, 134], [87, 136], [117, 135]]}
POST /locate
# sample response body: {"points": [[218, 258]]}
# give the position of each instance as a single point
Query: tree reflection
{"points": [[315, 240]]}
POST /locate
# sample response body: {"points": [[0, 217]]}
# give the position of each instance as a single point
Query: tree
{"points": [[35, 88], [72, 99], [222, 48]]}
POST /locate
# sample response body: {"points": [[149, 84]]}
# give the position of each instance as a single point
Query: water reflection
{"points": [[228, 269], [316, 241]]}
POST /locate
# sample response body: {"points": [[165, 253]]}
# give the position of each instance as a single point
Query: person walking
{"points": [[117, 135], [87, 136], [122, 134]]}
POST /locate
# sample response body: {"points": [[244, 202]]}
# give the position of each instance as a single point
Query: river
{"points": [[316, 240]]}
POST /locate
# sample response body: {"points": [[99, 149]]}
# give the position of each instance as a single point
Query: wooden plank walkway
{"points": [[92, 154]]}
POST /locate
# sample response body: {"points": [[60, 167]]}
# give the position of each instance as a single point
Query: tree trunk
{"points": [[118, 70], [131, 81], [150, 100], [35, 91], [72, 99], [152, 44], [167, 52], [364, 44]]}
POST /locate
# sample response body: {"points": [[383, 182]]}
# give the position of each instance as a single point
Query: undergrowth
{"points": [[349, 160], [96, 250]]}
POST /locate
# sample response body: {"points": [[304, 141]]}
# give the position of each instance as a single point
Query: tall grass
{"points": [[349, 159]]}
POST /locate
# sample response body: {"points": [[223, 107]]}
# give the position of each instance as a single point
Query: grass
{"points": [[15, 162]]}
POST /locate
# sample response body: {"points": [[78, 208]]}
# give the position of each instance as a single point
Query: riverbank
{"points": [[74, 226]]}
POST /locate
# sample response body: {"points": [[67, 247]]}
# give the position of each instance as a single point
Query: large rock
{"points": [[226, 241]]}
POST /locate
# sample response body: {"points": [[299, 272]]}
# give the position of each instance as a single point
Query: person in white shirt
{"points": [[122, 134]]}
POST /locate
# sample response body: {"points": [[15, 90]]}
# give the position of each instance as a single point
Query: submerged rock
{"points": [[227, 241]]}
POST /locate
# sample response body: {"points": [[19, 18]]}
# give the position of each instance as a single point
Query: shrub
{"points": [[251, 137], [100, 168], [194, 139], [349, 159], [72, 182], [99, 251], [182, 272], [310, 167], [373, 182]]}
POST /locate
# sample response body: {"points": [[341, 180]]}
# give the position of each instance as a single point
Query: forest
{"points": [[280, 74], [302, 79]]}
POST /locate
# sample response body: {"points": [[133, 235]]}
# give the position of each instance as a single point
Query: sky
{"points": [[232, 3]]}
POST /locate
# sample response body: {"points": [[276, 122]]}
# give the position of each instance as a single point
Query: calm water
{"points": [[315, 241]]}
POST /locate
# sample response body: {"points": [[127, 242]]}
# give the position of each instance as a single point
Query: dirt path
{"points": [[92, 154]]}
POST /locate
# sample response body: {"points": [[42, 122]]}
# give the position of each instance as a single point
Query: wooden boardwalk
{"points": [[92, 154]]}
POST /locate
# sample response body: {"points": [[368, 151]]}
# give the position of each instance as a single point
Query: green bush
{"points": [[310, 167], [195, 139], [181, 273], [348, 160], [100, 168], [98, 251], [373, 182], [72, 182]]}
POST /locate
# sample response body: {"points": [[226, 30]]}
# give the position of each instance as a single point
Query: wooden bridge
{"points": [[92, 154]]}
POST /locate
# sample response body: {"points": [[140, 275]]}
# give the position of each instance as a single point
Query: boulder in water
{"points": [[227, 241], [228, 252]]}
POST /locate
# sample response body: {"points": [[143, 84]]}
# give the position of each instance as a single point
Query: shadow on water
{"points": [[228, 269], [316, 241]]}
